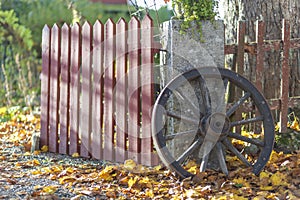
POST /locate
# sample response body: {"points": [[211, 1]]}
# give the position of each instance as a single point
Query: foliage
{"points": [[34, 14], [194, 11], [18, 61], [92, 179], [159, 16], [21, 24]]}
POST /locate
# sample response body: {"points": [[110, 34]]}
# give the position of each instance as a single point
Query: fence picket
{"points": [[121, 90], [97, 111], [74, 88], [54, 88], [285, 70], [260, 30], [109, 79], [133, 89], [64, 89], [45, 85], [147, 89], [86, 91]]}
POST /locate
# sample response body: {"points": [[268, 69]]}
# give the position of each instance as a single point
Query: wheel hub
{"points": [[217, 124]]}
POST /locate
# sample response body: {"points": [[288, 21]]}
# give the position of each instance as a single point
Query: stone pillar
{"points": [[188, 50], [185, 52]]}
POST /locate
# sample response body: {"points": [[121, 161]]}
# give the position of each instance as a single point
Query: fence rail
{"points": [[94, 79]]}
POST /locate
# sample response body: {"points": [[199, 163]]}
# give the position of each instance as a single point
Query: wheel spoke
{"points": [[228, 144], [247, 121], [225, 80], [237, 104], [182, 118], [221, 159], [183, 133], [189, 151], [190, 103], [246, 139], [204, 163]]}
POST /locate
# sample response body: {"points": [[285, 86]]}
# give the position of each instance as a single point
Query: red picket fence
{"points": [[258, 48], [94, 79]]}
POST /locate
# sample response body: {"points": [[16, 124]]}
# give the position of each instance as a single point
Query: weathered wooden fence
{"points": [[94, 79], [258, 48]]}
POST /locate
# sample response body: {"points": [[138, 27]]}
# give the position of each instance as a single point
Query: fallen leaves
{"points": [[279, 180]]}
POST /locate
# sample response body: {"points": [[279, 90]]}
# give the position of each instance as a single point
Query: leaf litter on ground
{"points": [[44, 175]]}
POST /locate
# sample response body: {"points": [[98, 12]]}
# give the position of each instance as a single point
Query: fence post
{"points": [[133, 89], [64, 89], [260, 30], [97, 111], [239, 67], [285, 75], [45, 85], [147, 89], [74, 88], [54, 88], [260, 54], [109, 80], [121, 90], [86, 91]]}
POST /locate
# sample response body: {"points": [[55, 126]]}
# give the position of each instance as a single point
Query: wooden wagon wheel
{"points": [[187, 126]]}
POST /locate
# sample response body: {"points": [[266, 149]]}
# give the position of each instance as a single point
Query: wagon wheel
{"points": [[193, 117]]}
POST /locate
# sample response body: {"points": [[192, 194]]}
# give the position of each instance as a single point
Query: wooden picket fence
{"points": [[97, 91], [94, 79], [258, 48]]}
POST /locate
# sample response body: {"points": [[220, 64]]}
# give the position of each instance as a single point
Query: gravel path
{"points": [[17, 179]]}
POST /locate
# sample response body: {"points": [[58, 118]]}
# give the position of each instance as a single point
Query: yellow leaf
{"points": [[36, 152], [190, 164], [106, 173], [35, 162], [50, 189], [277, 179], [66, 179], [27, 154], [44, 148], [149, 193], [129, 164], [263, 175], [75, 155], [193, 170], [157, 168], [56, 168], [277, 127], [295, 125], [145, 182], [241, 181], [70, 170], [3, 110], [266, 188], [275, 156], [36, 172], [132, 181], [46, 170]]}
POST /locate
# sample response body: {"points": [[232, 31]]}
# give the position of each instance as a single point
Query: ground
{"points": [[44, 175]]}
